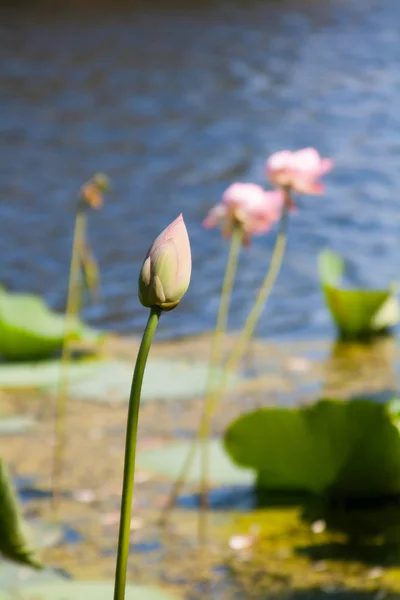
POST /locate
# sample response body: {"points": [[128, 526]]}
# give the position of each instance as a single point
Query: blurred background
{"points": [[175, 101]]}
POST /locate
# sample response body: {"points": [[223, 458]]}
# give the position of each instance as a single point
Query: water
{"points": [[174, 104]]}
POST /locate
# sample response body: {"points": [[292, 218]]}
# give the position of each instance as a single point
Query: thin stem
{"points": [[237, 351], [223, 309], [256, 311], [220, 328], [130, 455], [71, 313]]}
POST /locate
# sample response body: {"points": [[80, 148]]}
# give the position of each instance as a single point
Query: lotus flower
{"points": [[299, 170], [165, 274], [248, 206]]}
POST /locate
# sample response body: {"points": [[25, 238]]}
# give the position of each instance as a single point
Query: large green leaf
{"points": [[358, 312], [83, 590], [345, 448], [29, 330], [13, 542]]}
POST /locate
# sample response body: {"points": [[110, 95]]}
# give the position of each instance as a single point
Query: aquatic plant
{"points": [[83, 270], [246, 207], [331, 448], [288, 171], [245, 210], [357, 313], [300, 171], [29, 330], [163, 281], [13, 541]]}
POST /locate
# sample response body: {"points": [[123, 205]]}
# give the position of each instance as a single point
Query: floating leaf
{"points": [[29, 330], [110, 380], [44, 374], [168, 460], [16, 424], [13, 543], [357, 313], [347, 448], [82, 590], [14, 576]]}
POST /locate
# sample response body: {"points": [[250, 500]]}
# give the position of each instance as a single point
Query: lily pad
{"points": [[29, 330], [44, 374], [14, 576], [16, 424], [344, 448], [13, 540], [164, 379], [105, 381], [168, 461], [82, 590], [357, 313]]}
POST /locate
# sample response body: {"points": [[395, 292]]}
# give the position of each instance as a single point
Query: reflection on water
{"points": [[175, 104]]}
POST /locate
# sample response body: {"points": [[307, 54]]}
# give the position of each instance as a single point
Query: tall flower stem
{"points": [[215, 358], [232, 362], [130, 454], [72, 309]]}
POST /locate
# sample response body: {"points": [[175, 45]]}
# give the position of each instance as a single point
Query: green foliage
{"points": [[82, 590], [357, 313], [13, 543], [345, 448], [29, 330]]}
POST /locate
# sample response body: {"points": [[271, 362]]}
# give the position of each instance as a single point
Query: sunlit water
{"points": [[176, 104]]}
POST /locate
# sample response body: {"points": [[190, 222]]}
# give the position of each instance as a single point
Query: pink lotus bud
{"points": [[165, 274], [298, 170], [248, 206]]}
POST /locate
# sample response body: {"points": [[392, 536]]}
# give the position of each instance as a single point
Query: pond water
{"points": [[176, 103]]}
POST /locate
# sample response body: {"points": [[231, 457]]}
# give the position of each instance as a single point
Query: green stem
{"points": [[255, 313], [236, 354], [71, 313], [130, 454], [224, 304], [220, 328]]}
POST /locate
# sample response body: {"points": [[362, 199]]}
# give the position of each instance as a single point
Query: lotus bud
{"points": [[165, 274]]}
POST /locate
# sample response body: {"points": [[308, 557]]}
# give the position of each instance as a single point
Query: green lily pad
{"points": [[29, 330], [168, 461], [16, 424], [13, 540], [105, 381], [342, 448], [164, 379], [43, 374], [82, 590], [357, 313], [14, 576]]}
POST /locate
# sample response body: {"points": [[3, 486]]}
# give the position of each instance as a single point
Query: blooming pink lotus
{"points": [[249, 206], [298, 170], [165, 274]]}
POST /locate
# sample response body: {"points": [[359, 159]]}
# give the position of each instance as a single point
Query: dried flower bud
{"points": [[92, 192]]}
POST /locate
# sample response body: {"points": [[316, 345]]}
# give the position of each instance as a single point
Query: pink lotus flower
{"points": [[165, 274], [298, 170], [249, 206]]}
